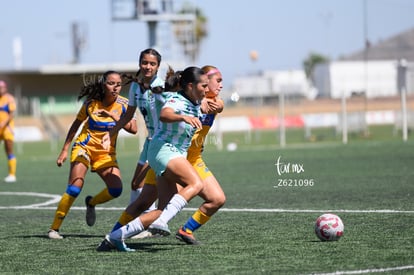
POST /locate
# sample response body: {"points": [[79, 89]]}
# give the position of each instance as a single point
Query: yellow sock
{"points": [[12, 166], [62, 210], [102, 197], [196, 220], [125, 218], [200, 217]]}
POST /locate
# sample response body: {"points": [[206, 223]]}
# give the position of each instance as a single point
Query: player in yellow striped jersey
{"points": [[7, 109], [100, 111], [212, 193]]}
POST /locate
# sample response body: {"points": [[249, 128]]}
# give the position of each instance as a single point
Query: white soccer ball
{"points": [[329, 227], [234, 97]]}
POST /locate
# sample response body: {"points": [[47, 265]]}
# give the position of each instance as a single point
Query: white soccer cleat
{"points": [[53, 234], [10, 178], [142, 235], [160, 229]]}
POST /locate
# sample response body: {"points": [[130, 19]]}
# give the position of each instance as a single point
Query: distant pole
{"points": [[366, 48], [152, 33], [401, 83], [258, 100], [344, 120], [282, 128]]}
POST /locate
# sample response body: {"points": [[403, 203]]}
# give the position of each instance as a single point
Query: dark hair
{"points": [[129, 78], [151, 52], [93, 87], [172, 80], [190, 75]]}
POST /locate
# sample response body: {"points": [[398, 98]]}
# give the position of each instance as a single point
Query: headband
{"points": [[213, 71]]}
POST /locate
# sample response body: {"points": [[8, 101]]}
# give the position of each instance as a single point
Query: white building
{"points": [[347, 78], [273, 83]]}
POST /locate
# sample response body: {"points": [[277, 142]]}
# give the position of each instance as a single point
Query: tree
{"points": [[191, 33], [310, 63]]}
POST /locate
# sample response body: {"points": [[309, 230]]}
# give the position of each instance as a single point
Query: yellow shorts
{"points": [[150, 177], [7, 134], [201, 167], [95, 160]]}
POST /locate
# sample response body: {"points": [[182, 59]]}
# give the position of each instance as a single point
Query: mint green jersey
{"points": [[148, 103], [180, 133]]}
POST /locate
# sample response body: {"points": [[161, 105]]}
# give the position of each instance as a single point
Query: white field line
{"points": [[365, 271], [55, 199]]}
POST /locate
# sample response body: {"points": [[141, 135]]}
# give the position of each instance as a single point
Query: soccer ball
{"points": [[329, 227]]}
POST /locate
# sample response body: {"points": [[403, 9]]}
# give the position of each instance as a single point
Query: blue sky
{"points": [[282, 32]]}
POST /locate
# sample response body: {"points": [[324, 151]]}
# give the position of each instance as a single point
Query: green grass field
{"points": [[266, 226]]}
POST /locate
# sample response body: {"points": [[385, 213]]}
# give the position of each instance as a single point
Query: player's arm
{"points": [[124, 120], [131, 127], [212, 105], [168, 115], [69, 137]]}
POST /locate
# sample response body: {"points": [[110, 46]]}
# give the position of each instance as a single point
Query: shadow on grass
{"points": [[44, 236]]}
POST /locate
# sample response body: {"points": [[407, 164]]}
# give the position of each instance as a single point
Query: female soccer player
{"points": [[102, 108], [149, 190], [212, 193], [145, 94], [7, 109], [167, 156]]}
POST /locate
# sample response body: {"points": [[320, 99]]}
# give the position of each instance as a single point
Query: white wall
{"points": [[376, 78]]}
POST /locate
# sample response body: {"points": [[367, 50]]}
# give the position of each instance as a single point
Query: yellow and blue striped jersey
{"points": [[7, 106], [95, 127]]}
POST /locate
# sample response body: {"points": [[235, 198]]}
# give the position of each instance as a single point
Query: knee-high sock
{"points": [[176, 204], [12, 165], [195, 221], [62, 210], [123, 220], [130, 229], [101, 197]]}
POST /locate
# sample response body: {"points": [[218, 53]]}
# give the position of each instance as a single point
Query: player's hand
{"points": [[61, 158], [193, 121], [213, 106], [106, 141]]}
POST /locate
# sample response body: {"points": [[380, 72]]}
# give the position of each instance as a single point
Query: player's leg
{"points": [[147, 197], [138, 180], [116, 238], [75, 183], [113, 189], [11, 160], [214, 199], [180, 171]]}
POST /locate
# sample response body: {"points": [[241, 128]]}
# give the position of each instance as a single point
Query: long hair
{"points": [[130, 78], [93, 87], [172, 80], [190, 75]]}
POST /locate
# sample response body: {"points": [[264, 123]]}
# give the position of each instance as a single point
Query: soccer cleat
{"points": [[54, 234], [120, 245], [160, 229], [142, 235], [90, 212], [10, 178], [186, 237], [105, 245]]}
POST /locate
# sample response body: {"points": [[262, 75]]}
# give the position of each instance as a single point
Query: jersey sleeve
{"points": [[83, 112], [173, 102], [132, 95]]}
